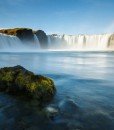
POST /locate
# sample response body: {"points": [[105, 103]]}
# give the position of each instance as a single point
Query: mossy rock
{"points": [[21, 82]]}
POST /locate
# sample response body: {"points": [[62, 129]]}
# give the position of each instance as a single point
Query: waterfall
{"points": [[36, 41], [49, 41], [70, 42], [13, 43], [7, 41], [84, 42]]}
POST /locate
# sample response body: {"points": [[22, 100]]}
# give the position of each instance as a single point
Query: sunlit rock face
{"points": [[24, 34], [82, 42]]}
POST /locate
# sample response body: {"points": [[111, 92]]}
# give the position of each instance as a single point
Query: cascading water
{"points": [[49, 41], [13, 43], [36, 41], [83, 42], [7, 41], [70, 42]]}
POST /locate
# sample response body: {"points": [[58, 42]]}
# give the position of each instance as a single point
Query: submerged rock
{"points": [[68, 107], [21, 82], [51, 111]]}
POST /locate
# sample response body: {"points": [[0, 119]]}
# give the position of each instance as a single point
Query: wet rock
{"points": [[42, 38], [20, 82], [51, 111], [68, 107], [25, 34]]}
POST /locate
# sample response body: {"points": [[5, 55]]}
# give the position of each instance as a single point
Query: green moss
{"points": [[20, 81], [8, 77]]}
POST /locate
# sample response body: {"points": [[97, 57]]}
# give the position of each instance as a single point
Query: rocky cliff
{"points": [[26, 34], [23, 34], [42, 38]]}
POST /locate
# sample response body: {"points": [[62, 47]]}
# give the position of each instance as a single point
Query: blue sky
{"points": [[59, 16]]}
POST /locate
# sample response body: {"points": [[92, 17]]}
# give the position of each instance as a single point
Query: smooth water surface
{"points": [[86, 78]]}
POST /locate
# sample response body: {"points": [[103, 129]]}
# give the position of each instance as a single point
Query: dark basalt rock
{"points": [[42, 38], [24, 34], [20, 82], [68, 107]]}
